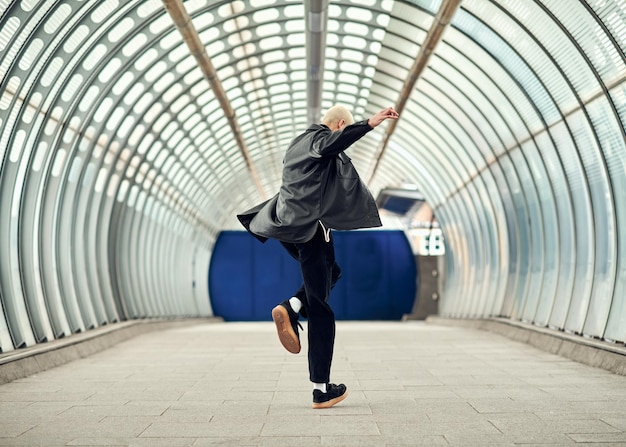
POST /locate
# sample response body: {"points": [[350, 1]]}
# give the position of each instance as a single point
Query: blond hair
{"points": [[336, 113]]}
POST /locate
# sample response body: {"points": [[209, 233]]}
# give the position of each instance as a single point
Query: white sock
{"points": [[296, 305], [320, 386]]}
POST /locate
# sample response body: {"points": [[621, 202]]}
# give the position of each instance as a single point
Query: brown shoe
{"points": [[286, 321]]}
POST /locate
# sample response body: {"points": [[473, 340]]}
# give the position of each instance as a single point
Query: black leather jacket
{"points": [[319, 184]]}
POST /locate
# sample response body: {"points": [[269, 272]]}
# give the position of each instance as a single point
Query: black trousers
{"points": [[320, 273]]}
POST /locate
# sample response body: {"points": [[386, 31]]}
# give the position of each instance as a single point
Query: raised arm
{"points": [[388, 113], [339, 140]]}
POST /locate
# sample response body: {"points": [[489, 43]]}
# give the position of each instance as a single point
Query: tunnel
{"points": [[132, 132]]}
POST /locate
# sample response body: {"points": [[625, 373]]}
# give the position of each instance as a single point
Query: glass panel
{"points": [[583, 227], [508, 57], [593, 240], [539, 302], [599, 50], [536, 244], [614, 148], [500, 246], [476, 245], [602, 194], [510, 243]]}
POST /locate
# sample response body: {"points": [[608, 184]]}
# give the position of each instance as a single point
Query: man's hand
{"points": [[381, 116]]}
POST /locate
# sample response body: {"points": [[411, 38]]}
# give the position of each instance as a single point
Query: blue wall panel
{"points": [[247, 278]]}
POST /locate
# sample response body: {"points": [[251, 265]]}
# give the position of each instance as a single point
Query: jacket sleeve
{"points": [[332, 143]]}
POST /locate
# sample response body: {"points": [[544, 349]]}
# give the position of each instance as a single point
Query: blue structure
{"points": [[247, 278]]}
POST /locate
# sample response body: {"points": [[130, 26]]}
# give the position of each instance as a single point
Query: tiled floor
{"points": [[233, 384]]}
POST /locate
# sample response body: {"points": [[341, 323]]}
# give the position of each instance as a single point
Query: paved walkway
{"points": [[233, 384]]}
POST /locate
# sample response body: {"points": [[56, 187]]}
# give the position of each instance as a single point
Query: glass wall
{"points": [[538, 88]]}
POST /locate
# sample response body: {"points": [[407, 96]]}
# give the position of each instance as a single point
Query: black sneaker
{"points": [[333, 395], [286, 321]]}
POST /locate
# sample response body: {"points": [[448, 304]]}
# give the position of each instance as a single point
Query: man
{"points": [[320, 190]]}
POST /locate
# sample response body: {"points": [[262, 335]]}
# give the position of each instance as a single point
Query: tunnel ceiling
{"points": [[116, 100], [133, 131]]}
